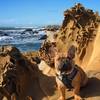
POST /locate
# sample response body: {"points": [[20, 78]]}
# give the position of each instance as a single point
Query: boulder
{"points": [[35, 32], [3, 33], [47, 53], [44, 37], [15, 72]]}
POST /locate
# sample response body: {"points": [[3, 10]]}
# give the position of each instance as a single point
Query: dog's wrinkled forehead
{"points": [[64, 63]]}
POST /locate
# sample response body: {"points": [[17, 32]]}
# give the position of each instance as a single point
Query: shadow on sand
{"points": [[92, 89], [44, 87]]}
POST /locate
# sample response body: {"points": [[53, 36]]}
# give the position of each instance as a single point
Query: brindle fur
{"points": [[79, 80]]}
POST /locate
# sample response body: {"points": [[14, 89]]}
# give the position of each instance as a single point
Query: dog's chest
{"points": [[67, 78]]}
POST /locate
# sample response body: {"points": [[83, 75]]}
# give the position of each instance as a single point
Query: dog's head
{"points": [[65, 62]]}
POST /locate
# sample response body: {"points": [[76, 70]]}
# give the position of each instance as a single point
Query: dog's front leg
{"points": [[62, 92], [13, 96], [76, 93], [61, 89]]}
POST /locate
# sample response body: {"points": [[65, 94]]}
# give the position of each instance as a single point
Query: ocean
{"points": [[24, 41]]}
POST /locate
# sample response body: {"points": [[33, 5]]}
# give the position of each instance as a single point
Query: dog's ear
{"points": [[71, 52]]}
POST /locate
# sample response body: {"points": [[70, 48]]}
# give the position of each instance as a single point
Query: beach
{"points": [[27, 63], [25, 41]]}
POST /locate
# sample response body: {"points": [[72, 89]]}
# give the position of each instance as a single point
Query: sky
{"points": [[38, 12]]}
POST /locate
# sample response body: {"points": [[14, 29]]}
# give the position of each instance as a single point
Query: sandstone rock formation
{"points": [[22, 76], [15, 70], [81, 28]]}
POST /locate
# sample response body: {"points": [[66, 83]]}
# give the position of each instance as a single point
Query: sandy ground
{"points": [[90, 92]]}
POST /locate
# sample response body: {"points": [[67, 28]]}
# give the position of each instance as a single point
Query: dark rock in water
{"points": [[23, 33], [52, 28], [29, 29], [3, 33], [6, 34], [43, 37], [35, 32], [43, 29]]}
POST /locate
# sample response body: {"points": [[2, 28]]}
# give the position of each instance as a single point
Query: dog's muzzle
{"points": [[64, 64]]}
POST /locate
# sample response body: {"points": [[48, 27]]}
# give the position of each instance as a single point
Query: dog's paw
{"points": [[61, 98], [28, 98], [78, 98]]}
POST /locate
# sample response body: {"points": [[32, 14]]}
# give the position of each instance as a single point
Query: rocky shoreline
{"points": [[31, 75]]}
